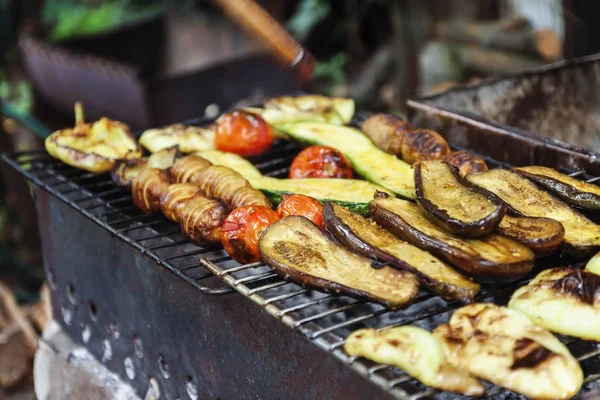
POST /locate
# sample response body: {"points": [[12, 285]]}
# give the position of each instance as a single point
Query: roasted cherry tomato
{"points": [[243, 133], [241, 230], [320, 162], [299, 204]]}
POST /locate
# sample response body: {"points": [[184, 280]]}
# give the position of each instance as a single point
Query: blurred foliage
{"points": [[308, 14], [332, 71], [18, 94]]}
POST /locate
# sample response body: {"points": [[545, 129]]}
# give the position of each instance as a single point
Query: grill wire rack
{"points": [[324, 319]]}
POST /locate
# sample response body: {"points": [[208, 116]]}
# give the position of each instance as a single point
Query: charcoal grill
{"points": [[158, 310]]}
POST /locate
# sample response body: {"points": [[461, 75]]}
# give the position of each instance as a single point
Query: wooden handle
{"points": [[256, 21]]}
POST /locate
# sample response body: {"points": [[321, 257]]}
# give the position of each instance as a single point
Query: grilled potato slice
{"points": [[93, 147], [562, 300], [582, 236], [415, 351], [573, 191], [125, 170], [542, 235], [505, 347], [147, 188], [176, 197], [187, 138], [186, 168], [467, 163], [453, 203], [201, 220], [492, 258], [299, 250]]}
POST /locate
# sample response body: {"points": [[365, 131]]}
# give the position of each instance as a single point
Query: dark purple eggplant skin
{"points": [[472, 229], [348, 237], [480, 269], [541, 245], [567, 193]]}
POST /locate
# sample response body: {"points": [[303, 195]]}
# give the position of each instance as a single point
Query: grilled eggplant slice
{"points": [[176, 197], [147, 188], [201, 220], [453, 203], [467, 163], [562, 300], [542, 235], [582, 236], [492, 258], [415, 351], [187, 138], [387, 131], [423, 144], [125, 170], [186, 168], [93, 147], [574, 191], [504, 347], [299, 250], [367, 238]]}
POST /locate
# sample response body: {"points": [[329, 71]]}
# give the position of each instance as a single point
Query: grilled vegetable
{"points": [[467, 163], [423, 144], [299, 204], [351, 193], [94, 147], [374, 164], [387, 131], [573, 191], [542, 235], [562, 300], [147, 188], [453, 203], [492, 258], [187, 138], [175, 198], [367, 238], [229, 186], [187, 168], [297, 249], [320, 162], [504, 347], [582, 236], [125, 170], [593, 265], [242, 229], [415, 351], [243, 133], [201, 220]]}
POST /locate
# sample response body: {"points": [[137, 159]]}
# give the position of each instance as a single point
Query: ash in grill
{"points": [[324, 319]]}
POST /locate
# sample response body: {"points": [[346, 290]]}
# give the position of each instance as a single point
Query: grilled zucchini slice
{"points": [[367, 238], [334, 110], [187, 138], [375, 165], [453, 203], [562, 300], [542, 235], [582, 236], [573, 191], [493, 258], [415, 351], [299, 250], [125, 170], [351, 193], [93, 147], [505, 347]]}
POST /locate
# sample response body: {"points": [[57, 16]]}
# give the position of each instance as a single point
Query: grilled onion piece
{"points": [[423, 144], [492, 258], [367, 238], [467, 163], [147, 187], [185, 169], [582, 236], [562, 300], [125, 170], [94, 147], [297, 249], [573, 191], [201, 220], [415, 351], [542, 235], [188, 138], [504, 347], [176, 197], [387, 131], [453, 203]]}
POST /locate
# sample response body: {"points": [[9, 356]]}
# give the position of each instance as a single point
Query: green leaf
{"points": [[308, 14]]}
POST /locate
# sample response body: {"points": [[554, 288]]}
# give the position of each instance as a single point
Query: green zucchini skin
{"points": [[359, 208]]}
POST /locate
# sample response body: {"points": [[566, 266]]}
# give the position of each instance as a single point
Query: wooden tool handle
{"points": [[256, 21]]}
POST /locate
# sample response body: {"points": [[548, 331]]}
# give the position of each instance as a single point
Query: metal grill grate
{"points": [[324, 319]]}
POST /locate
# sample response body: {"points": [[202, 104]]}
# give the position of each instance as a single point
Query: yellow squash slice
{"points": [[187, 138]]}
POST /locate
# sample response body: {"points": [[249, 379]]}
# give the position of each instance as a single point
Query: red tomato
{"points": [[241, 230], [320, 162], [299, 204], [243, 133]]}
